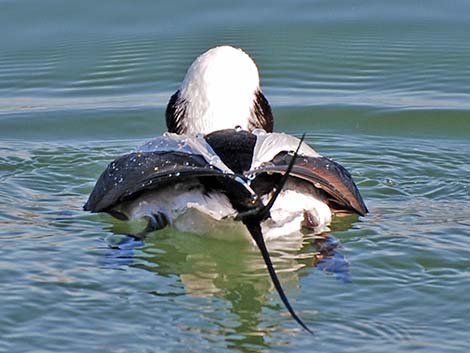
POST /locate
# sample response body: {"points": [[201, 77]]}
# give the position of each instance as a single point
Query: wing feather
{"points": [[323, 173], [134, 173]]}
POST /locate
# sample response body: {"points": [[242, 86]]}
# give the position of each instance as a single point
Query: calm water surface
{"points": [[382, 87]]}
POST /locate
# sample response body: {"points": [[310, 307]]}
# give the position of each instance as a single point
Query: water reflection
{"points": [[234, 271]]}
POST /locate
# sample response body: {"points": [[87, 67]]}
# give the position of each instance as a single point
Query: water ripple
{"points": [[380, 87], [393, 265], [415, 69]]}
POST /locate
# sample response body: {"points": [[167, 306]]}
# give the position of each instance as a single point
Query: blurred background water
{"points": [[381, 87]]}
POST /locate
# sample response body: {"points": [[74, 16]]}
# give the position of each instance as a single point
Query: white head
{"points": [[220, 91]]}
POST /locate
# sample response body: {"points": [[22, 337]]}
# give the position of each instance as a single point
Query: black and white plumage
{"points": [[220, 174], [220, 90], [221, 165]]}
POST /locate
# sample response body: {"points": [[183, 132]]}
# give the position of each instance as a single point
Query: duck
{"points": [[220, 165]]}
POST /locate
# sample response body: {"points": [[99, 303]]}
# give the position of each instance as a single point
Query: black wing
{"points": [[324, 174], [132, 174]]}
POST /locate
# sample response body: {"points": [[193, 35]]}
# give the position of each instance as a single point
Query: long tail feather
{"points": [[252, 220], [255, 231], [284, 178]]}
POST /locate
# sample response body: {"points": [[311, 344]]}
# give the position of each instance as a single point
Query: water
{"points": [[383, 88]]}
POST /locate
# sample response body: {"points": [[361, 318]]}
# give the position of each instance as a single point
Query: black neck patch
{"points": [[174, 114], [261, 114]]}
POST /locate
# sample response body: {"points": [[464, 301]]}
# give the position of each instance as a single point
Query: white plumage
{"points": [[219, 90], [189, 208]]}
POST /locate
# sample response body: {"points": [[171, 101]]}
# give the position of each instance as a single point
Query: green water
{"points": [[381, 87]]}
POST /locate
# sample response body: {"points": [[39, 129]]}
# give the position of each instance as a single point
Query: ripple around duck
{"points": [[403, 258], [382, 88]]}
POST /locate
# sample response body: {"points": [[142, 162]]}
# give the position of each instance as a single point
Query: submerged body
{"points": [[189, 208], [197, 184]]}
